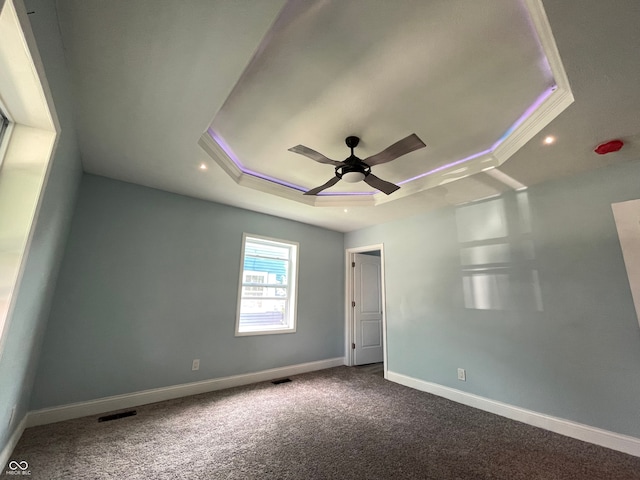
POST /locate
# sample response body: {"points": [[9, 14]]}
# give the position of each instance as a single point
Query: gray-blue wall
{"points": [[26, 324], [149, 282], [562, 337]]}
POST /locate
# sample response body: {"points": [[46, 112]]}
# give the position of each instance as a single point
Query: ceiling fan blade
{"points": [[401, 147], [379, 184], [330, 183], [313, 155]]}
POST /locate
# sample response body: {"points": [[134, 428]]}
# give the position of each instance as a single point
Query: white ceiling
{"points": [[150, 77]]}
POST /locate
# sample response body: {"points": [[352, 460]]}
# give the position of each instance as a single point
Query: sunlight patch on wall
{"points": [[497, 255]]}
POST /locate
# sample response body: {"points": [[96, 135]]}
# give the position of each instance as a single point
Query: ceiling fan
{"points": [[354, 170]]}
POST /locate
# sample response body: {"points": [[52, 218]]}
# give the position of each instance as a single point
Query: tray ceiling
{"points": [[474, 80], [153, 80]]}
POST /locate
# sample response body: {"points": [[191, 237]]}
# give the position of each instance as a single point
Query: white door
{"points": [[367, 309]]}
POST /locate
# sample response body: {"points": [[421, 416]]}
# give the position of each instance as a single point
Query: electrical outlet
{"points": [[196, 364], [462, 374]]}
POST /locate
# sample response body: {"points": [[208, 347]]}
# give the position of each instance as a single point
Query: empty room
{"points": [[333, 239]]}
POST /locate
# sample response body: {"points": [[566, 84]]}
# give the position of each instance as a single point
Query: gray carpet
{"points": [[373, 368], [341, 423]]}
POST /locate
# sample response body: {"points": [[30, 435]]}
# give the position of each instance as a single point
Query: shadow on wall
{"points": [[497, 256]]}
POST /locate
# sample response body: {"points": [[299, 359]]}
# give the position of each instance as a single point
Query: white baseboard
{"points": [[118, 402], [597, 436], [5, 455]]}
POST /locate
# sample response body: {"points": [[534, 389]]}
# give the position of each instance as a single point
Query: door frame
{"points": [[348, 309], [625, 215]]}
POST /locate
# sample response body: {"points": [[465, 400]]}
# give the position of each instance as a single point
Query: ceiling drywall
{"points": [[151, 77]]}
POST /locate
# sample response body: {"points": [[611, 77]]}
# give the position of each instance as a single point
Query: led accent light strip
{"points": [[444, 167], [539, 101], [223, 145], [528, 112]]}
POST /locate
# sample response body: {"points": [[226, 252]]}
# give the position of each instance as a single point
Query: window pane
{"points": [[252, 291], [271, 270], [255, 314], [262, 250], [4, 123], [253, 278], [267, 287]]}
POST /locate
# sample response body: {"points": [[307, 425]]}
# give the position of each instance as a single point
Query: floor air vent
{"points": [[116, 416], [282, 380]]}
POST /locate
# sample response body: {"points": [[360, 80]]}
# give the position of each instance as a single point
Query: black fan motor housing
{"points": [[355, 167]]}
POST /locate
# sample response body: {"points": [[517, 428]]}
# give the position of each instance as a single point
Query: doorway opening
{"points": [[365, 315]]}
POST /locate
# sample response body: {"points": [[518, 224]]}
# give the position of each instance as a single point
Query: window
{"points": [[29, 129], [267, 290], [4, 128], [4, 123], [254, 291]]}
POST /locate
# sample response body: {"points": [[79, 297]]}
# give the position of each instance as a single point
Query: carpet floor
{"points": [[340, 423]]}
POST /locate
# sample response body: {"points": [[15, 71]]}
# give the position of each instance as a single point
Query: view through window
{"points": [[4, 123], [4, 126]]}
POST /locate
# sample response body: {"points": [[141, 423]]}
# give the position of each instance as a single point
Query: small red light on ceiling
{"points": [[608, 147]]}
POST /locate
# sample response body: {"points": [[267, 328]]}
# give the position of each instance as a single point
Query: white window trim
{"points": [[292, 286], [27, 148], [5, 134]]}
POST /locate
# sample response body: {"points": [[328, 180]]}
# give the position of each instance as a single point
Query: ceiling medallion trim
{"points": [[547, 107]]}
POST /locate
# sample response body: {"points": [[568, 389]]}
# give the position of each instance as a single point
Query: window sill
{"points": [[265, 332]]}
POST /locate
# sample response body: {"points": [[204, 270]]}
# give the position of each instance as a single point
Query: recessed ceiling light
{"points": [[346, 211], [203, 166], [549, 140]]}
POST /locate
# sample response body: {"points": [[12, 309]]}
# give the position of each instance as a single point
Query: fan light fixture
{"points": [[354, 170], [353, 177]]}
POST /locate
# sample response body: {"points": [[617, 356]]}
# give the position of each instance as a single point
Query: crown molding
{"points": [[550, 104]]}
